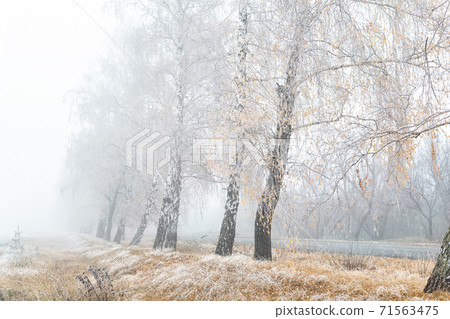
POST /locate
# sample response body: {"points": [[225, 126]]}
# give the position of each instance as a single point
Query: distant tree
{"points": [[425, 185], [108, 109], [120, 233], [17, 245], [181, 31]]}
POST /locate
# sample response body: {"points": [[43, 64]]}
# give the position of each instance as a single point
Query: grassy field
{"points": [[48, 268]]}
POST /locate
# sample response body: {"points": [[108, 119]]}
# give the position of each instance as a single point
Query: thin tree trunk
{"points": [[363, 219], [101, 227], [161, 231], [166, 235], [440, 277], [228, 228], [120, 231], [277, 162], [172, 230], [144, 220], [266, 208], [430, 228], [112, 210]]}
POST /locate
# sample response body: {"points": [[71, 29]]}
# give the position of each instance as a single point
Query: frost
{"points": [[147, 274]]}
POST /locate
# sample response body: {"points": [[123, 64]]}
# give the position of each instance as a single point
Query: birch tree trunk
{"points": [[440, 277], [277, 161], [144, 219], [166, 235], [173, 207], [228, 228], [173, 214], [173, 211]]}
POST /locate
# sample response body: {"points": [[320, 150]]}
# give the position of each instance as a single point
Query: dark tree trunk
{"points": [[111, 211], [166, 235], [120, 231], [266, 208], [161, 232], [430, 228], [172, 232], [277, 161], [228, 228], [363, 219], [277, 166], [440, 277], [144, 220], [383, 222], [101, 228]]}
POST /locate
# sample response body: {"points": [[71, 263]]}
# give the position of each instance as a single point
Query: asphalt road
{"points": [[395, 250], [367, 248], [381, 249]]}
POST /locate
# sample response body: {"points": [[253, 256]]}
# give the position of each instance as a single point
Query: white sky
{"points": [[45, 47]]}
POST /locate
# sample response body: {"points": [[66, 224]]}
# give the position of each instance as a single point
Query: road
{"points": [[395, 250], [381, 249], [368, 248]]}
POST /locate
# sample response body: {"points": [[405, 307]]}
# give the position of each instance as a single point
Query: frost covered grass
{"points": [[195, 273], [47, 268]]}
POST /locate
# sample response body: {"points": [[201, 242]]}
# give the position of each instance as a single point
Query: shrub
{"points": [[100, 287]]}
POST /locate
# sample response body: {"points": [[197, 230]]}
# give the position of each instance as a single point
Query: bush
{"points": [[100, 287], [350, 261]]}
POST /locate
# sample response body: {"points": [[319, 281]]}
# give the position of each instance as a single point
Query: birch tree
{"points": [[180, 31], [363, 77], [146, 216], [228, 229], [108, 109]]}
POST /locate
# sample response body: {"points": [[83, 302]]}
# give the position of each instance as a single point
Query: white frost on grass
{"points": [[90, 246], [211, 277], [121, 264], [19, 271], [13, 263]]}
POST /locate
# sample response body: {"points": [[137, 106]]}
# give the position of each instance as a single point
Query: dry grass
{"points": [[350, 262], [195, 273]]}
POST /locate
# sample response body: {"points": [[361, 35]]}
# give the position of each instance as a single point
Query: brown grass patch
{"points": [[195, 273]]}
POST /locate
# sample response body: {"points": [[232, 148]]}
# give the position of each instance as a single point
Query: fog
{"points": [[80, 79], [45, 47], [161, 149]]}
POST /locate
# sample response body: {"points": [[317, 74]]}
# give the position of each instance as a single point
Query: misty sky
{"points": [[45, 47]]}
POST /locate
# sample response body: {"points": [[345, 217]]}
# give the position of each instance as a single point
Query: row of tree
{"points": [[369, 205], [329, 97]]}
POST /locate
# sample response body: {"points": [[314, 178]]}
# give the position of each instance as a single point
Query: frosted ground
{"points": [[48, 267]]}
